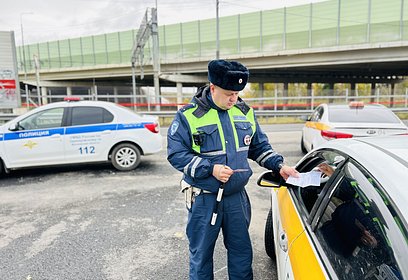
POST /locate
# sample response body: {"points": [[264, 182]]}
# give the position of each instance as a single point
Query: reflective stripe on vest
{"points": [[211, 118], [236, 116]]}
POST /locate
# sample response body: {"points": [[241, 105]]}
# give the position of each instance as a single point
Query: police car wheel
{"points": [[269, 238], [125, 157]]}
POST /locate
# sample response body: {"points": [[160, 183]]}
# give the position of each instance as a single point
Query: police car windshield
{"points": [[364, 115]]}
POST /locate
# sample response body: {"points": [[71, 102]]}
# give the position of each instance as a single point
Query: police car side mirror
{"points": [[14, 127], [269, 179]]}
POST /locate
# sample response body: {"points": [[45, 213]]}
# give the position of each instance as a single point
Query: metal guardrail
{"points": [[259, 113], [168, 114], [7, 117]]}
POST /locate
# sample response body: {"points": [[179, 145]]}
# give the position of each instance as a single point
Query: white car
{"points": [[353, 223], [72, 132], [333, 121]]}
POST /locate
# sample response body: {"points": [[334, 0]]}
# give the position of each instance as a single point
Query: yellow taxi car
{"points": [[356, 119], [351, 224]]}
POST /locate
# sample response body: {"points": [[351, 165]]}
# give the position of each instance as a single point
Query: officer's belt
{"points": [[197, 191]]}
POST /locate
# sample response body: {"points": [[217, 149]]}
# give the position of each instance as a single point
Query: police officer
{"points": [[210, 140]]}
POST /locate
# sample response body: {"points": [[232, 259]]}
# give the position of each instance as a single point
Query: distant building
{"points": [[9, 84]]}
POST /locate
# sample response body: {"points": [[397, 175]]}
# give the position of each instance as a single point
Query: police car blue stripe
{"points": [[33, 134], [90, 128], [132, 125], [96, 128], [69, 130]]}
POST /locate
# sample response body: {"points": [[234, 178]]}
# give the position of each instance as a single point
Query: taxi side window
{"points": [[90, 115], [355, 229], [327, 162], [44, 119]]}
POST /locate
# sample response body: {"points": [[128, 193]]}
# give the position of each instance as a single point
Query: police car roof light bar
{"points": [[71, 98]]}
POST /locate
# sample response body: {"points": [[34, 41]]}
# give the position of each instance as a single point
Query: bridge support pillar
{"points": [[285, 94], [372, 92], [353, 91], [392, 92], [309, 93], [94, 92], [261, 95], [179, 95], [44, 99], [331, 92], [115, 94]]}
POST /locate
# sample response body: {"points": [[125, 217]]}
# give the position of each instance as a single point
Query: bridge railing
{"points": [[276, 101], [278, 105], [315, 25]]}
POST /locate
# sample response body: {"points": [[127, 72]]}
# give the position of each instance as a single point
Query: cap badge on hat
{"points": [[228, 75]]}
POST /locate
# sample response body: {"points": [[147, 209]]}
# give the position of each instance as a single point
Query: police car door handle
{"points": [[106, 132], [283, 241], [56, 136]]}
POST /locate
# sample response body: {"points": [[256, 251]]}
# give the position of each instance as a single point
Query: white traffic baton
{"points": [[219, 197], [217, 203]]}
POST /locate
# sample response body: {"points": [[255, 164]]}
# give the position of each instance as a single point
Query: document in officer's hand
{"points": [[311, 178]]}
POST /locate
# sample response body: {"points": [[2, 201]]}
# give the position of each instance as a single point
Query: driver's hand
{"points": [[326, 169]]}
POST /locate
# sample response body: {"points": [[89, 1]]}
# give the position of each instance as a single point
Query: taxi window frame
{"points": [[306, 165], [369, 194]]}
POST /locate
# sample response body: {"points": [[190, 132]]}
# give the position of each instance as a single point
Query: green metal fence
{"points": [[315, 25]]}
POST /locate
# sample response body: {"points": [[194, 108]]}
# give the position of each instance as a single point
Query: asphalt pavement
{"points": [[92, 222]]}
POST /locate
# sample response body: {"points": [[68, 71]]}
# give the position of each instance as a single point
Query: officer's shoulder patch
{"points": [[188, 106], [174, 126]]}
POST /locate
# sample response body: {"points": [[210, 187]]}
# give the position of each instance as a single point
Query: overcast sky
{"points": [[45, 20]]}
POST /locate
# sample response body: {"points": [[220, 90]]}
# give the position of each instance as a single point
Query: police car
{"points": [[75, 131], [356, 119], [351, 225]]}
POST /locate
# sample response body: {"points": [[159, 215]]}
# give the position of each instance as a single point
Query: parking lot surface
{"points": [[93, 222]]}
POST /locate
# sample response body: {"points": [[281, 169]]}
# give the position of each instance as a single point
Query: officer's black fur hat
{"points": [[229, 75]]}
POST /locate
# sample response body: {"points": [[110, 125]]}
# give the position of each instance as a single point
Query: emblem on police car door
{"points": [[247, 140], [30, 144]]}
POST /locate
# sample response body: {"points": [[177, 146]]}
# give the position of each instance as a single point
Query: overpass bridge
{"points": [[335, 41]]}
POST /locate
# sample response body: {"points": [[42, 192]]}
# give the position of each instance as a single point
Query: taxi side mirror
{"points": [[270, 180]]}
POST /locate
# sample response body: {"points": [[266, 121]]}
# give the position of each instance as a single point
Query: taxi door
{"points": [[293, 245], [90, 134], [38, 140]]}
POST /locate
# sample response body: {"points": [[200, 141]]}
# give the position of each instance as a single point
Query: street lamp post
{"points": [[24, 58], [217, 52]]}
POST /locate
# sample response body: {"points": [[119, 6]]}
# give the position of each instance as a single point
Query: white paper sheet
{"points": [[311, 178]]}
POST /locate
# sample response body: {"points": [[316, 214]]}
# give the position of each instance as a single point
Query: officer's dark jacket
{"points": [[222, 137]]}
